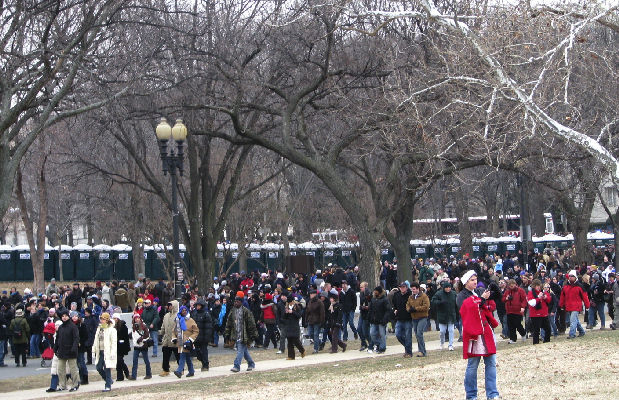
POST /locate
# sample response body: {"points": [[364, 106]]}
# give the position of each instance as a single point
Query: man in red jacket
{"points": [[572, 297], [515, 300]]}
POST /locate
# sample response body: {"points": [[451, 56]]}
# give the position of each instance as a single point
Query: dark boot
{"points": [[84, 379]]}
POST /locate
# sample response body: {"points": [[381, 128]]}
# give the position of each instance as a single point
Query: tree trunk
{"points": [[403, 223], [138, 257], [369, 263], [579, 224], [464, 228]]}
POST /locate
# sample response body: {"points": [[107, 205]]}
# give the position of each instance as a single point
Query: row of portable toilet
{"points": [[86, 265], [262, 260]]}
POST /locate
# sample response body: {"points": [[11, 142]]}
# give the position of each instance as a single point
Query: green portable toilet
{"points": [[419, 249], [23, 263], [386, 255], [329, 257], [160, 267], [84, 262], [7, 263], [512, 247], [478, 250], [122, 262], [66, 259], [185, 258], [346, 256], [103, 261], [273, 258], [255, 259], [50, 263]]}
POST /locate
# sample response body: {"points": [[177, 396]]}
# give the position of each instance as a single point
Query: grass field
{"points": [[586, 368]]}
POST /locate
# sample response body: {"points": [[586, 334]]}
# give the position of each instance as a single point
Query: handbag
{"points": [[149, 342]]}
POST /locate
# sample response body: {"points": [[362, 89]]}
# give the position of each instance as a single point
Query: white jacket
{"points": [[109, 346]]}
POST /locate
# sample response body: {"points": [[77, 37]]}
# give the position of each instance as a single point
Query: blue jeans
{"points": [[215, 337], [81, 363], [243, 352], [470, 377], [599, 308], [2, 342], [181, 363], [378, 333], [136, 353], [155, 336], [35, 339], [575, 324], [419, 326], [404, 334], [449, 328], [363, 327], [348, 319], [314, 333], [553, 325], [325, 335], [504, 328], [106, 373], [53, 384]]}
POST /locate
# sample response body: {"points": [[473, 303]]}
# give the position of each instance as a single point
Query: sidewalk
{"points": [[311, 359]]}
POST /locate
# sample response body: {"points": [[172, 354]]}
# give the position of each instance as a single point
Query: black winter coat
{"points": [[205, 324], [67, 341], [83, 330], [91, 324], [348, 300], [380, 310], [335, 317], [291, 320], [399, 304], [123, 342]]}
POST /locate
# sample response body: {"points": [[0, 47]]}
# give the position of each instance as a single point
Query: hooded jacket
{"points": [[421, 305], [380, 310], [249, 333], [315, 312], [122, 298], [167, 327], [189, 334], [204, 321], [67, 341], [110, 342], [572, 297]]}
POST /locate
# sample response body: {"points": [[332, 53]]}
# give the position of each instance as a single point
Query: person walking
{"points": [[378, 314], [4, 333], [365, 298], [19, 330], [204, 321], [66, 349], [123, 346], [572, 299], [104, 349], [281, 308], [348, 301], [241, 328], [185, 334], [404, 321], [315, 317], [139, 337], [82, 346], [446, 310], [538, 301], [292, 315], [477, 336], [269, 317], [150, 317], [515, 300], [335, 322], [418, 305], [167, 334]]}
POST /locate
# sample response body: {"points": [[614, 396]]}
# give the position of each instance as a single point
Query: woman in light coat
{"points": [[104, 349]]}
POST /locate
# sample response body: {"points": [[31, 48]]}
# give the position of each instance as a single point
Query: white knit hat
{"points": [[573, 273], [467, 276]]}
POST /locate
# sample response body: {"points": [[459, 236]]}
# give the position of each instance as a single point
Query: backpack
{"points": [[17, 331]]}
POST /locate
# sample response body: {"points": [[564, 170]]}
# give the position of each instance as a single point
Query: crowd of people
{"points": [[79, 326]]}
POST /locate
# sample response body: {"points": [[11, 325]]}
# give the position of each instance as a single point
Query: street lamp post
{"points": [[172, 160]]}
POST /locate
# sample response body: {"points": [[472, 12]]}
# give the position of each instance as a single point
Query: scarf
{"points": [[181, 319]]}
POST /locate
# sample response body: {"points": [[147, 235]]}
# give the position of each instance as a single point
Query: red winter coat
{"points": [[517, 302], [572, 297], [477, 324], [543, 310]]}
